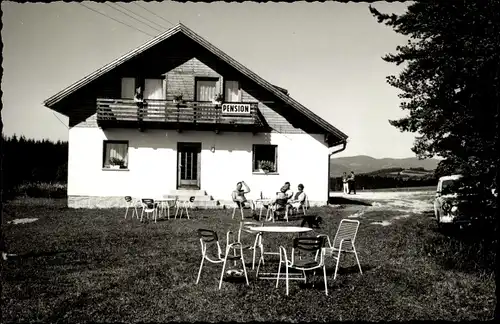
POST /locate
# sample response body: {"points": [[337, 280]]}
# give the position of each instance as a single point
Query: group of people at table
{"points": [[285, 199]]}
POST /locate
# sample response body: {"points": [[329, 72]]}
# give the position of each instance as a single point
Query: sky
{"points": [[327, 55]]}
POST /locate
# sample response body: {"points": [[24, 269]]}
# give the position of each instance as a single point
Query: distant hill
{"points": [[361, 164]]}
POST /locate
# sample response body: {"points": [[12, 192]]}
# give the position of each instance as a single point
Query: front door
{"points": [[188, 165]]}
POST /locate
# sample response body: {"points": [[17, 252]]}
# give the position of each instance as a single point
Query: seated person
{"points": [[239, 198], [279, 203], [281, 198], [284, 193], [298, 199], [287, 191]]}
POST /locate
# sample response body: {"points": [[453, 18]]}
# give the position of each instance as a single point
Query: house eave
{"points": [[277, 92], [110, 66]]}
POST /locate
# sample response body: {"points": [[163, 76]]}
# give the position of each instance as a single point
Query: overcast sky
{"points": [[328, 56]]}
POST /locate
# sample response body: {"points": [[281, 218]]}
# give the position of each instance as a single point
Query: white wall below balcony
{"points": [[152, 166]]}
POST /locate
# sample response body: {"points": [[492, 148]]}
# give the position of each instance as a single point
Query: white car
{"points": [[448, 209]]}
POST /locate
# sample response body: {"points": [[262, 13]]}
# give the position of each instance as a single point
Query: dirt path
{"points": [[384, 208]]}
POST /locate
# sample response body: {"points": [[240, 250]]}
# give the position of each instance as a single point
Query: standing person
{"points": [[139, 101], [352, 182], [345, 185]]}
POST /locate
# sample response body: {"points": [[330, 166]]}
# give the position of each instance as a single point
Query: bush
{"points": [[42, 190]]}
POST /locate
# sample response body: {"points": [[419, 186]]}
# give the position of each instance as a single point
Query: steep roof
{"points": [[180, 28]]}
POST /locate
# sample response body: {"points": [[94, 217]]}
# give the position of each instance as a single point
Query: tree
{"points": [[450, 86]]}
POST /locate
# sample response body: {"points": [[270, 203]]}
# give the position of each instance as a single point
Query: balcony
{"points": [[163, 114]]}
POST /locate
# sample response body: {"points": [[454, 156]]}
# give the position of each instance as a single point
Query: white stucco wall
{"points": [[153, 163]]}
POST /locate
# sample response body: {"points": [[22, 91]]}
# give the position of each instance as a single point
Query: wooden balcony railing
{"points": [[168, 112]]}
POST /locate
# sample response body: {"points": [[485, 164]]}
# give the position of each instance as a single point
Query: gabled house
{"points": [[178, 116]]}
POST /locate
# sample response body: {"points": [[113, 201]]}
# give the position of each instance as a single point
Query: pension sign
{"points": [[239, 109]]}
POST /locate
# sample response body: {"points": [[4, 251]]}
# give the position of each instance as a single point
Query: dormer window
{"points": [[154, 89], [128, 88], [232, 91], [206, 88]]}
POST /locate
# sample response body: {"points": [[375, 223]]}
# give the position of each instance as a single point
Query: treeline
{"points": [[28, 162], [368, 181]]}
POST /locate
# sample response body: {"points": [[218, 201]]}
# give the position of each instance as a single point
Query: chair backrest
{"points": [[207, 236], [308, 244], [348, 229], [128, 199], [150, 203]]}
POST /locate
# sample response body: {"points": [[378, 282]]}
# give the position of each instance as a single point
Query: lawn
{"points": [[94, 265]]}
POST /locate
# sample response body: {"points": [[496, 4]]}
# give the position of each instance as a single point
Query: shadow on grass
{"points": [[470, 249], [347, 201], [350, 270]]}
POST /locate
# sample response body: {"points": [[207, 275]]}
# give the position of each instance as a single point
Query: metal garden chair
{"points": [[238, 205], [245, 230], [210, 238], [184, 205], [344, 241], [131, 203], [309, 249], [304, 205], [149, 207]]}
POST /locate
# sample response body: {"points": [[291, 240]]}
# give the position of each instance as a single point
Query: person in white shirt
{"points": [[298, 199], [345, 184]]}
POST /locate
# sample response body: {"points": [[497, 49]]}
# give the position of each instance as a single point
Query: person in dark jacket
{"points": [[139, 101], [352, 182]]}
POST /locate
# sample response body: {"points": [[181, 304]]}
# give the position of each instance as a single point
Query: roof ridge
{"points": [[180, 27]]}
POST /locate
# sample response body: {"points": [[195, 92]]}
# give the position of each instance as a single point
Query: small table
{"points": [[263, 202], [280, 229], [277, 229], [165, 202]]}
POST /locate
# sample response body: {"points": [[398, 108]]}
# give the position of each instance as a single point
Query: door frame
{"points": [[180, 146]]}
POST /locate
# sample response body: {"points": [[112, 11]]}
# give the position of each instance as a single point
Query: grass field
{"points": [[94, 265]]}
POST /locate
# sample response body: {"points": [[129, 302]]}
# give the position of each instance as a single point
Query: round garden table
{"points": [[275, 229]]}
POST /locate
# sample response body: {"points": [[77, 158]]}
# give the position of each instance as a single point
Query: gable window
{"points": [[206, 89], [154, 89], [115, 155], [232, 91], [265, 157], [128, 88]]}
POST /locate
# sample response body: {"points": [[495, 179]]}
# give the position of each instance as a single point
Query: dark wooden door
{"points": [[188, 165]]}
